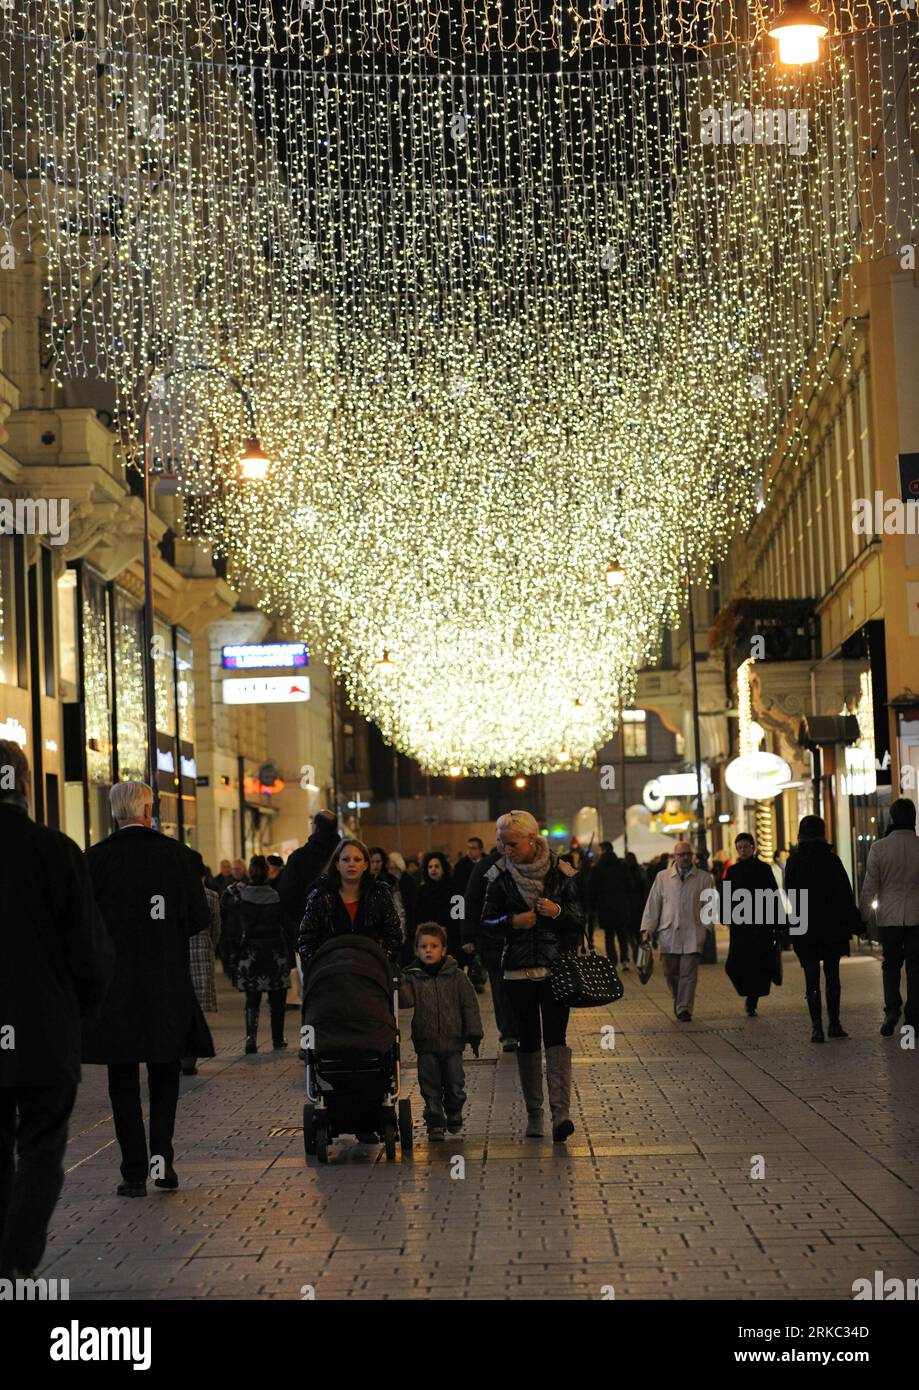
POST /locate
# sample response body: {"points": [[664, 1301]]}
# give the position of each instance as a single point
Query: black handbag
{"points": [[584, 982]]}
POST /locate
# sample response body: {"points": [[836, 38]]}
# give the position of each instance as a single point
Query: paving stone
{"points": [[654, 1194]]}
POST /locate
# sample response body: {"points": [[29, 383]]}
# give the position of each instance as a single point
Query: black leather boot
{"points": [[833, 996], [252, 1011], [814, 1004], [276, 1004]]}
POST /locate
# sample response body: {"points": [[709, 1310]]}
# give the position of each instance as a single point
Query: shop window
{"points": [[97, 700], [67, 646], [7, 613], [129, 688], [185, 686], [20, 611], [165, 680], [47, 623]]}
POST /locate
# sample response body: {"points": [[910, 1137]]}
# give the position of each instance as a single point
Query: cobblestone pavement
{"points": [[653, 1197]]}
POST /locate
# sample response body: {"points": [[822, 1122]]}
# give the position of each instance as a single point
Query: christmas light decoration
{"points": [[522, 295]]}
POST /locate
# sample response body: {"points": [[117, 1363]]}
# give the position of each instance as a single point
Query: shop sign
{"points": [[757, 776], [266, 690], [265, 656], [674, 784]]}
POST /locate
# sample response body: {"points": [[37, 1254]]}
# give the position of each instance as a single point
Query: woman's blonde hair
{"points": [[517, 820]]}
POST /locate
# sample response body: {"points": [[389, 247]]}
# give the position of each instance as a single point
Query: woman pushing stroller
{"points": [[347, 898]]}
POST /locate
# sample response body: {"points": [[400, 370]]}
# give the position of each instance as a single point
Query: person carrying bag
{"points": [[532, 900]]}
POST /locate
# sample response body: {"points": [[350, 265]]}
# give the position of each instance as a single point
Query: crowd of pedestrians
{"points": [[109, 960]]}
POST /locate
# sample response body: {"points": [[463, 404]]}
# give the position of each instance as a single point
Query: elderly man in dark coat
{"points": [[153, 902], [56, 961]]}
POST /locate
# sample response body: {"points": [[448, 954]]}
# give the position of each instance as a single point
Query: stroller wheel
{"points": [[389, 1136], [322, 1139], [309, 1129], [405, 1125]]}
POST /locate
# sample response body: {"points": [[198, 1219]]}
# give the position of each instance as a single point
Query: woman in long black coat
{"points": [[751, 961], [637, 889], [607, 902], [830, 915]]}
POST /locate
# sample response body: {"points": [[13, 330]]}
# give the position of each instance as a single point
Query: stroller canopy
{"points": [[348, 996]]}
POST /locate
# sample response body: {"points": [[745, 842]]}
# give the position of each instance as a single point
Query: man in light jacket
{"points": [[891, 890], [673, 912]]}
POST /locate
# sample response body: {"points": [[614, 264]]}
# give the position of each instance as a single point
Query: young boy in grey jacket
{"points": [[446, 1019]]}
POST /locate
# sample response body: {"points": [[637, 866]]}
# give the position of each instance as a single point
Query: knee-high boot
{"points": [[277, 1000], [833, 996], [814, 1004], [252, 1012], [529, 1068], [558, 1077]]}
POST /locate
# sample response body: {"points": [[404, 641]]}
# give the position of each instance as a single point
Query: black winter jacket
{"points": [[832, 916], [301, 871], [607, 892], [326, 916], [530, 947], [56, 955], [484, 940], [152, 901], [446, 1009]]}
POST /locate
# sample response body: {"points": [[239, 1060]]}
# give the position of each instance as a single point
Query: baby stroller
{"points": [[351, 1042]]}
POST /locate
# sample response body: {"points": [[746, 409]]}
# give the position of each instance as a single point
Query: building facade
{"points": [[72, 650]]}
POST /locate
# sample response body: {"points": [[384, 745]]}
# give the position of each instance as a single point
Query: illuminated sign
{"points": [[265, 656], [266, 690], [14, 732], [757, 776], [656, 792]]}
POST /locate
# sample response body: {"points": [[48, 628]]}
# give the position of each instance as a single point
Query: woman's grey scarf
{"points": [[531, 877]]}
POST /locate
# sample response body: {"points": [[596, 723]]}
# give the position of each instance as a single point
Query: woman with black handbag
{"points": [[532, 898]]}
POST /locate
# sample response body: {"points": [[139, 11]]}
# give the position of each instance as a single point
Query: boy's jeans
{"points": [[440, 1076]]}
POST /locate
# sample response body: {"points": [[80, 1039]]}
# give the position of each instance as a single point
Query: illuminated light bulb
{"points": [[615, 576], [520, 783], [386, 666], [455, 770], [564, 756], [798, 30], [253, 462]]}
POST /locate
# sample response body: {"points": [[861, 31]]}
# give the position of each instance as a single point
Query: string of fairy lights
{"points": [[513, 326]]}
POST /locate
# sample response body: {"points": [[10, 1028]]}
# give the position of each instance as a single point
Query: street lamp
{"points": [[615, 576], [798, 30], [254, 465]]}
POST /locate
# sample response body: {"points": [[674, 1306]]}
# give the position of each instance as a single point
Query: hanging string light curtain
{"points": [[504, 324]]}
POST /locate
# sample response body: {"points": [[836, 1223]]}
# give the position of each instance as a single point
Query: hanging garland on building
{"points": [[511, 327]]}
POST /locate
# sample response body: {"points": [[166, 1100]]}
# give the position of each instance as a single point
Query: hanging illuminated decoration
{"points": [[522, 296]]}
